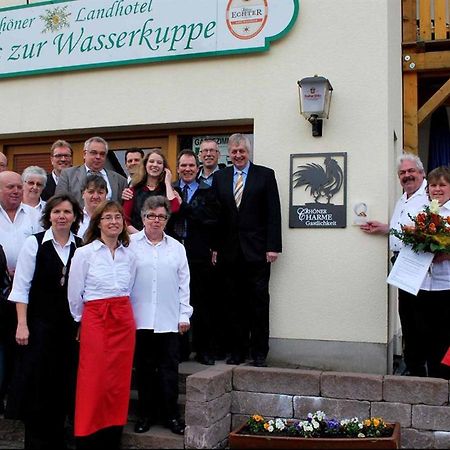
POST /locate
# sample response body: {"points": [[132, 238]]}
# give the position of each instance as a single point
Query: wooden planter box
{"points": [[239, 440]]}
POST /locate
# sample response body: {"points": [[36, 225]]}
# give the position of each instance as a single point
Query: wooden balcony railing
{"points": [[426, 20]]}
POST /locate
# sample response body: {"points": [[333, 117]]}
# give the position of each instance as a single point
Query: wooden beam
{"points": [[410, 106], [425, 20], [409, 15], [434, 102], [426, 61], [440, 19]]}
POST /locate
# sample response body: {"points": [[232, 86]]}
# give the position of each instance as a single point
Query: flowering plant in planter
{"points": [[318, 425]]}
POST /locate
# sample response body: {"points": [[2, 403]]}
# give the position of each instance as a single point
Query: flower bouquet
{"points": [[316, 431], [430, 232]]}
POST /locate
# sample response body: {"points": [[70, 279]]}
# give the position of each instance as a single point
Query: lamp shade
{"points": [[315, 97]]}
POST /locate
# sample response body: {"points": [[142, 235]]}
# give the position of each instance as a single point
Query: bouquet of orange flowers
{"points": [[430, 232]]}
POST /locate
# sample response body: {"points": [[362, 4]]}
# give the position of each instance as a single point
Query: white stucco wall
{"points": [[328, 284]]}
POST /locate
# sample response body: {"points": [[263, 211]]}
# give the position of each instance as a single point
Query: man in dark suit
{"points": [[193, 226], [61, 158], [95, 153], [247, 242]]}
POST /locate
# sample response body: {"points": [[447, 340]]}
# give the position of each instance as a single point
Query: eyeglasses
{"points": [[60, 155], [404, 172], [160, 217], [110, 218], [208, 150], [34, 183], [95, 153]]}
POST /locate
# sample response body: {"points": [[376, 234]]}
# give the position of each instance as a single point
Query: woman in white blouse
{"points": [[34, 180], [101, 277], [433, 314], [42, 390], [160, 299]]}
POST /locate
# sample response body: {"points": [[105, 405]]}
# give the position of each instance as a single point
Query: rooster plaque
{"points": [[318, 190]]}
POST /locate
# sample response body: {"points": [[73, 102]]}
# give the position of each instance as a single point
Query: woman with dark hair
{"points": [[43, 385], [101, 277], [153, 178]]}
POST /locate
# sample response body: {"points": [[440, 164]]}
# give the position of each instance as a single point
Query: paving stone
{"points": [[277, 381], [156, 437], [426, 417], [209, 384], [353, 386], [392, 412], [201, 437], [265, 404], [411, 438], [441, 439], [206, 413], [415, 390], [333, 408]]}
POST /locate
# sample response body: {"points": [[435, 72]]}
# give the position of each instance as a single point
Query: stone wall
{"points": [[221, 398]]}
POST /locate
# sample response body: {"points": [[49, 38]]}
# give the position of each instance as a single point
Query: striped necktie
{"points": [[238, 189]]}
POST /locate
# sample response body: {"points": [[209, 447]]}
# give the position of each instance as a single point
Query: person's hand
{"points": [[375, 227], [271, 257], [168, 176], [183, 327], [441, 257], [77, 336], [22, 334], [127, 194], [214, 258], [178, 196]]}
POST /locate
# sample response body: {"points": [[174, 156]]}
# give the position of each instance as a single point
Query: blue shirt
{"points": [[192, 187], [244, 174]]}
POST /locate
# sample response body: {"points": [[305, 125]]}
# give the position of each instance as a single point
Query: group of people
{"points": [[424, 318], [97, 287]]}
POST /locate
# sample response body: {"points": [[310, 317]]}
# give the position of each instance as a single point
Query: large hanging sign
{"points": [[71, 35], [318, 190]]}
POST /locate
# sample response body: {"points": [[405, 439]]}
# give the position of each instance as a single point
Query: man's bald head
{"points": [[11, 190], [3, 162]]}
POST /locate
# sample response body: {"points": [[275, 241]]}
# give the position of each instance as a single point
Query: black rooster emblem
{"points": [[322, 182]]}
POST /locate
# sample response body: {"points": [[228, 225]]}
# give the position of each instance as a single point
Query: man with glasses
{"points": [[209, 157], [411, 175], [95, 154], [61, 158]]}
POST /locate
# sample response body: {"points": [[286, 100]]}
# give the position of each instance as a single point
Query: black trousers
{"points": [[248, 284], [44, 433], [414, 347], [156, 363], [434, 323], [203, 300], [107, 438]]}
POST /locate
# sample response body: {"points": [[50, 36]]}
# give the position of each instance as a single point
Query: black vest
{"points": [[48, 298]]}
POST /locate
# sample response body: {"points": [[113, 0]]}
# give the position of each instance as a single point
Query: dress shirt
{"points": [[40, 206], [160, 295], [404, 206], [192, 187], [95, 274], [105, 177], [26, 264], [84, 224], [55, 177], [244, 172], [438, 277], [207, 179], [13, 234]]}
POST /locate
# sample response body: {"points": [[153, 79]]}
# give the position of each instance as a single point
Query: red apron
{"points": [[107, 340]]}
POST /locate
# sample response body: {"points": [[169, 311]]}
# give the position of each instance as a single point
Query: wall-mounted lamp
{"points": [[315, 97]]}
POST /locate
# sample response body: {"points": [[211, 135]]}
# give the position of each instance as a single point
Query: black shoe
{"points": [[175, 426], [205, 359], [259, 361], [142, 425], [235, 360]]}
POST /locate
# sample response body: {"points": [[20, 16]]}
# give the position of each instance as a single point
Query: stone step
{"points": [[156, 437]]}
